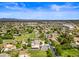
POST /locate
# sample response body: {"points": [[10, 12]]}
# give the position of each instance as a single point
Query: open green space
{"points": [[70, 53], [25, 36], [37, 53], [8, 41], [66, 51]]}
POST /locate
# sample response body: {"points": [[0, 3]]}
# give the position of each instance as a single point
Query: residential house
{"points": [[68, 26], [35, 44], [9, 47], [16, 34], [49, 36], [45, 47], [23, 54]]}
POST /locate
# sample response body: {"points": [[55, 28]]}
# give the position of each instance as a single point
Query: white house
{"points": [[45, 47], [35, 44]]}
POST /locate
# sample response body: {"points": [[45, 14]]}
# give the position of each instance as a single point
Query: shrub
{"points": [[24, 46]]}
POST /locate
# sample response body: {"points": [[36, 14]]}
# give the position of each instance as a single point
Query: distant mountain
{"points": [[13, 19], [8, 19]]}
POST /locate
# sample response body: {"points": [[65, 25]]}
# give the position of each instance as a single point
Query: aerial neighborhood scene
{"points": [[39, 29]]}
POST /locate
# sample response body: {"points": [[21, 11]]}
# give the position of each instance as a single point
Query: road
{"points": [[53, 49]]}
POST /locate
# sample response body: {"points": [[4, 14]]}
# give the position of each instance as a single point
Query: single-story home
{"points": [[9, 47], [45, 47], [35, 44]]}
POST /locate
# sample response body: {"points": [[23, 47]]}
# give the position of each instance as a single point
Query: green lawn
{"points": [[37, 53], [71, 53], [8, 41], [25, 36]]}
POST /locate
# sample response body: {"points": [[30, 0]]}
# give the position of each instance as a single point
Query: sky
{"points": [[40, 10]]}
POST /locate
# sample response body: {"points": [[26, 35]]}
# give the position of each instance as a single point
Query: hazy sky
{"points": [[40, 10]]}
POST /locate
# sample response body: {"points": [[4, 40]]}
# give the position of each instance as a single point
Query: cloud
{"points": [[13, 5], [13, 8], [67, 6], [23, 4], [64, 11], [9, 4], [17, 7], [55, 7]]}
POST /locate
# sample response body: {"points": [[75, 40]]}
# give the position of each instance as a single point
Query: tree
{"points": [[54, 43], [29, 45], [46, 41], [61, 39], [18, 45], [65, 38], [8, 31], [8, 36], [42, 36], [49, 53], [24, 46], [28, 40], [59, 49], [30, 29], [48, 32], [0, 50], [66, 46], [1, 40]]}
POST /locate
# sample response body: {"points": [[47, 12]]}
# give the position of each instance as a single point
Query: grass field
{"points": [[25, 36], [70, 52], [37, 53]]}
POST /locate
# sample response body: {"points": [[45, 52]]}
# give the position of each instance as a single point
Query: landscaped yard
{"points": [[37, 53]]}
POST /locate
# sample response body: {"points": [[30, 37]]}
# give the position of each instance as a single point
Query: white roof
{"points": [[69, 25]]}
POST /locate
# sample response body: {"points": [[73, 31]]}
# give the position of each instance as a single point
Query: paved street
{"points": [[53, 50]]}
